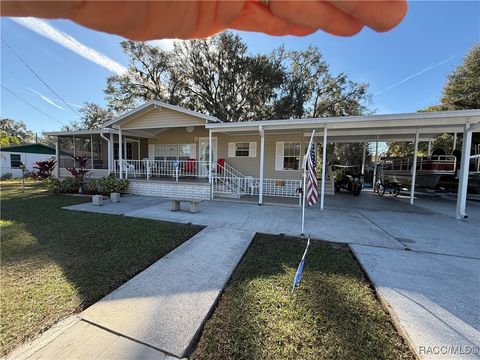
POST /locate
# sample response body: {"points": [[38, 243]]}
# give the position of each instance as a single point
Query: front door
{"points": [[203, 154]]}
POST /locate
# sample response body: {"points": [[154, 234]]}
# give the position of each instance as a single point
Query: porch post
{"points": [[463, 176], [454, 141], [210, 151], [364, 157], [324, 166], [111, 161], [139, 158], [91, 152], [120, 152], [74, 150], [429, 149], [374, 181], [57, 157], [414, 169], [262, 154], [125, 152]]}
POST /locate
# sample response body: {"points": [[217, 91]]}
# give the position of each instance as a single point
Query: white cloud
{"points": [[410, 77], [46, 99], [164, 44], [43, 28]]}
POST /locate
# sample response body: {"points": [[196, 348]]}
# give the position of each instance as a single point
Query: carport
{"points": [[408, 127]]}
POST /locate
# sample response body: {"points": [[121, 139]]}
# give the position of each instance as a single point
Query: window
{"points": [[15, 161], [174, 151], [127, 156], [291, 156], [287, 156], [242, 149]]}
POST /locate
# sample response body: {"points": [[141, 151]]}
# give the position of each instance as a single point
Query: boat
{"points": [[429, 170]]}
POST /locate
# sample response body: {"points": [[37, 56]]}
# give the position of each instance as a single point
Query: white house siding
{"points": [[246, 165], [28, 159], [170, 189], [162, 118]]}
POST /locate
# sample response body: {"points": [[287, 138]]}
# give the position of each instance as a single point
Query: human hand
{"points": [[146, 20]]}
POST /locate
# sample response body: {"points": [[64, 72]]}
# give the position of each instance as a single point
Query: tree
{"points": [[217, 76], [94, 116], [6, 140], [309, 89], [15, 132], [461, 92], [149, 76], [339, 96]]}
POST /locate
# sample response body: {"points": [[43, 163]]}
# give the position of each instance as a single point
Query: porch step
{"points": [[226, 195]]}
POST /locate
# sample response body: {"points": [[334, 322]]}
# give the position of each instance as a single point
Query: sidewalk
{"points": [[159, 313]]}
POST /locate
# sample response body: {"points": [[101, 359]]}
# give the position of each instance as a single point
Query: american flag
{"points": [[312, 186]]}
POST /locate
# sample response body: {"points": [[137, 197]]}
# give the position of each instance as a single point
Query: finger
{"points": [[316, 15], [257, 17], [381, 15], [41, 9]]}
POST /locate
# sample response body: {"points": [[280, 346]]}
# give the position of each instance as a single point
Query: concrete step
{"points": [[225, 194]]}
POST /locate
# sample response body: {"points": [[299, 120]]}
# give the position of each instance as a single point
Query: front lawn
{"points": [[56, 262], [334, 314]]}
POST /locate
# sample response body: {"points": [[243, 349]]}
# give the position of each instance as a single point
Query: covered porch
{"points": [[414, 128]]}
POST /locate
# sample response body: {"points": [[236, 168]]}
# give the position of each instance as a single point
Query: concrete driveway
{"points": [[423, 263]]}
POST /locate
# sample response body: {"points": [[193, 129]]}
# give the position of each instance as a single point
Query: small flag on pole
{"points": [[312, 187], [298, 274]]}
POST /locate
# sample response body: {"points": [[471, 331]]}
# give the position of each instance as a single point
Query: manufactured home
{"points": [[168, 150], [11, 157]]}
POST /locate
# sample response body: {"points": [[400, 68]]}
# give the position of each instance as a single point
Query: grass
{"points": [[56, 262], [334, 314]]}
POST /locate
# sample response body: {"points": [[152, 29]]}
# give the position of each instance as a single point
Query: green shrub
{"points": [[104, 185], [109, 184], [6, 176], [66, 185]]}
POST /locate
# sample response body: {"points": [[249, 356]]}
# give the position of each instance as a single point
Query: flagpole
{"points": [[305, 181]]}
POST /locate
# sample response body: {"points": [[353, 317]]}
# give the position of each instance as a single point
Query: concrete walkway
{"points": [[435, 299], [423, 263], [159, 313]]}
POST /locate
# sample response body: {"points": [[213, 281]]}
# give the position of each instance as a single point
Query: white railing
{"points": [[174, 169], [227, 179], [438, 164], [279, 187], [251, 186]]}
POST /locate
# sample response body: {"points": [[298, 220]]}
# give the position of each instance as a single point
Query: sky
{"points": [[406, 67]]}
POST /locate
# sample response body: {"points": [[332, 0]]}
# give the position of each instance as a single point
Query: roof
{"points": [[152, 104], [365, 128], [30, 148], [80, 132]]}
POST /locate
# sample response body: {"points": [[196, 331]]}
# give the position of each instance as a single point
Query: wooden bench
{"points": [[194, 204]]}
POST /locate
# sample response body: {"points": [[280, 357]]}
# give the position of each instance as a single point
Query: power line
{"points": [[39, 78], [33, 106]]}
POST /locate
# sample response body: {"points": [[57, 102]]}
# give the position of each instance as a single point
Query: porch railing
{"points": [[439, 164], [248, 185], [174, 169]]}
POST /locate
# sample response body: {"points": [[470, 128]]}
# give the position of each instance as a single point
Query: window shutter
{"points": [[252, 149], [193, 151], [151, 151], [279, 156], [231, 149]]}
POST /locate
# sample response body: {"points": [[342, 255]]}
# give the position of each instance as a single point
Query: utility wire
{"points": [[33, 106], [39, 78]]}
